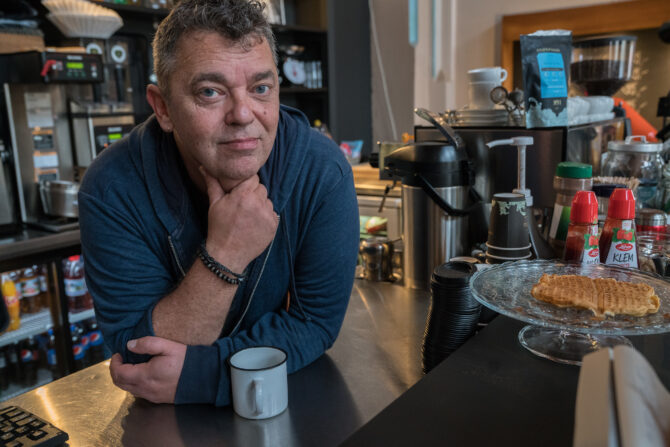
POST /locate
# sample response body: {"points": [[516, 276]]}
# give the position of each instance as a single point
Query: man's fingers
{"points": [[214, 189], [149, 345], [124, 375]]}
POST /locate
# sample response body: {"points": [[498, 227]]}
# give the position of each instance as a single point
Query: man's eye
{"points": [[262, 89], [208, 92]]}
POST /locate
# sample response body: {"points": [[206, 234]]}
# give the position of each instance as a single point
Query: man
{"points": [[221, 222]]}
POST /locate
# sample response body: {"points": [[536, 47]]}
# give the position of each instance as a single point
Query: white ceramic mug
{"points": [[488, 74], [258, 378], [479, 95]]}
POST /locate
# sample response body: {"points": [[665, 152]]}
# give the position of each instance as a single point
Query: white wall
{"points": [[471, 38], [392, 103]]}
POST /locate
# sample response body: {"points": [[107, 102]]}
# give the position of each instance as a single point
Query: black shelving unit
{"points": [[314, 102]]}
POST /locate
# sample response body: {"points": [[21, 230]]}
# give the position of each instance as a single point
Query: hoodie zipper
{"points": [[176, 258], [253, 291]]}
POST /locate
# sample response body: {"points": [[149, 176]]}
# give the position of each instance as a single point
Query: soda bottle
{"points": [[617, 242], [12, 298], [77, 349], [581, 243], [75, 285], [52, 362], [29, 360], [4, 371], [83, 336], [44, 286], [30, 291], [15, 370], [95, 342]]}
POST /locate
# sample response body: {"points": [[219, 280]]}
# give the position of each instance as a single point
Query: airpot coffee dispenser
{"points": [[437, 200]]}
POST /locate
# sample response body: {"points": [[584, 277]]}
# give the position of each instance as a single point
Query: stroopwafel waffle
{"points": [[603, 296]]}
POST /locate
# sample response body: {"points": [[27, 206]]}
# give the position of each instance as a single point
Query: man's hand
{"points": [[156, 380], [241, 223]]}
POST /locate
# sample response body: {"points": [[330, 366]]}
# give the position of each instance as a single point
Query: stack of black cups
{"points": [[453, 314]]}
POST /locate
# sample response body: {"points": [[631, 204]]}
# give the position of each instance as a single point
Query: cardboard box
{"points": [[16, 43]]}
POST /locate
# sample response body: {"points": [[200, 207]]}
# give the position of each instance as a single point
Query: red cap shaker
{"points": [[584, 209], [622, 204]]}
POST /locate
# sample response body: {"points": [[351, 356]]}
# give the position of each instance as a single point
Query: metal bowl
{"points": [[59, 198]]}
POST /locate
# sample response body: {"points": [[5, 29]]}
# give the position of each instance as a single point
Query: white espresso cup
{"points": [[258, 378], [488, 74], [482, 81], [479, 95]]}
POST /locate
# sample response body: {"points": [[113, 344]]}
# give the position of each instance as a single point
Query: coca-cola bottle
{"points": [[29, 360], [95, 342], [52, 362]]}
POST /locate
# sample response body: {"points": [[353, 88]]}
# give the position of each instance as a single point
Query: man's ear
{"points": [[158, 103]]}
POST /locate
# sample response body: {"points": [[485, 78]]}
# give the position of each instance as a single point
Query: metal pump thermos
{"points": [[437, 199]]}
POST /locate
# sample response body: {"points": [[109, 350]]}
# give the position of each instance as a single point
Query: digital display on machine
{"points": [[74, 65], [114, 136]]}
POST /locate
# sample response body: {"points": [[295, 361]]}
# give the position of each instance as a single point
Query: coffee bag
{"points": [[545, 57]]}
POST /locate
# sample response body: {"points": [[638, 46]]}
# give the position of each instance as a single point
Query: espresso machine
{"points": [[109, 116], [37, 87]]}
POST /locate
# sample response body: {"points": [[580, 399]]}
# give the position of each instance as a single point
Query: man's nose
{"points": [[240, 112]]}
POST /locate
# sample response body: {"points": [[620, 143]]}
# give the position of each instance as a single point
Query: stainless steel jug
{"points": [[437, 203]]}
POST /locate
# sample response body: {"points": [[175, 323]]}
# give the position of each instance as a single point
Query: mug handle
{"points": [[257, 387], [503, 73]]}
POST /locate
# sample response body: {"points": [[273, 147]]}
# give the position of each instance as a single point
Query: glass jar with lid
{"points": [[636, 157]]}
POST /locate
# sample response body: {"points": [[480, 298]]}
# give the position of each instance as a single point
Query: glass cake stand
{"points": [[560, 334]]}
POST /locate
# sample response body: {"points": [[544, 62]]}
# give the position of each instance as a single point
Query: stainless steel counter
{"points": [[375, 359]]}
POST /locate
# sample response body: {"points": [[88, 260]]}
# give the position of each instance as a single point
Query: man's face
{"points": [[223, 106]]}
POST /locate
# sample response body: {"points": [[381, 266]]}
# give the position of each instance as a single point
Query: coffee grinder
{"points": [[36, 89]]}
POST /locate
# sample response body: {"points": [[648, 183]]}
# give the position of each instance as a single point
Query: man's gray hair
{"points": [[241, 21]]}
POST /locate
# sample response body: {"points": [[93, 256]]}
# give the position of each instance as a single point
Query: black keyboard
{"points": [[19, 427]]}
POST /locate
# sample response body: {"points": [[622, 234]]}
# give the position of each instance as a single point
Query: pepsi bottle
{"points": [[95, 342], [77, 349], [52, 361], [15, 370], [4, 372], [29, 359]]}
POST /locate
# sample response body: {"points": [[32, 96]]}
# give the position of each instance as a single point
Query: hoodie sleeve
{"points": [[324, 275], [124, 276]]}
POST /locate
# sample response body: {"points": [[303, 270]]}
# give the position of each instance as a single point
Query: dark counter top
{"points": [[375, 359], [492, 391], [35, 246]]}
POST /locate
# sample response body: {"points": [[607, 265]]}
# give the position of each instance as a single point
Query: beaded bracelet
{"points": [[218, 269]]}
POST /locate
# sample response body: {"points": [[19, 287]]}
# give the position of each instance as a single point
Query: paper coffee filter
{"points": [[85, 25], [78, 7]]}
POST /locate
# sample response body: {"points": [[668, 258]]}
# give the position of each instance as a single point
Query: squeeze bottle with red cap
{"points": [[581, 243], [617, 242]]}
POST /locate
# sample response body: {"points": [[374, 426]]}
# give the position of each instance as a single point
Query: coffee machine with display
{"points": [[109, 116], [37, 87]]}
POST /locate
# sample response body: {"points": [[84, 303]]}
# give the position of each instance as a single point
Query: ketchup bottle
{"points": [[617, 242], [581, 243]]}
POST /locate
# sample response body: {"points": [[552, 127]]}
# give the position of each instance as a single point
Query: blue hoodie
{"points": [[142, 222]]}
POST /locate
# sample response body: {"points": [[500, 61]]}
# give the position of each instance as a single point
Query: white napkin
{"points": [[620, 401]]}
